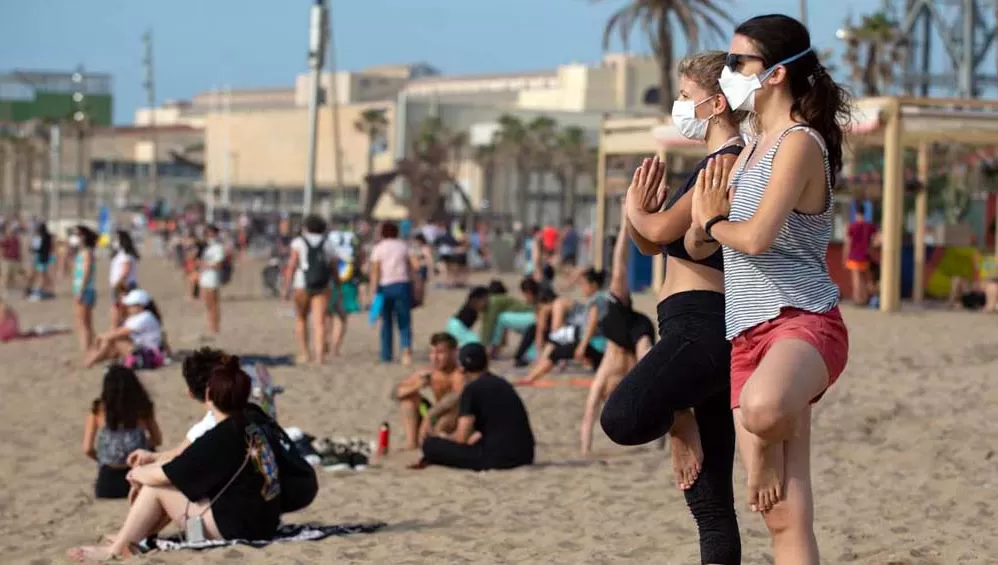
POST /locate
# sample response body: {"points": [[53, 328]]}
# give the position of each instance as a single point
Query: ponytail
{"points": [[154, 310], [823, 105]]}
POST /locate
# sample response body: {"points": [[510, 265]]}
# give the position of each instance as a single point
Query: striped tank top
{"points": [[793, 272]]}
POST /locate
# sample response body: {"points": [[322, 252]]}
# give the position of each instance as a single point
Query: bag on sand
{"points": [[299, 485], [318, 271]]}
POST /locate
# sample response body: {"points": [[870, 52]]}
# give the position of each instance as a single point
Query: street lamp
{"points": [[80, 122]]}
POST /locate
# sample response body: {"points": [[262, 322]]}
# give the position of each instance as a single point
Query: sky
{"points": [[201, 44]]}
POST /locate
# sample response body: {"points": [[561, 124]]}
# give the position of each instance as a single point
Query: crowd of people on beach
{"points": [[749, 333]]}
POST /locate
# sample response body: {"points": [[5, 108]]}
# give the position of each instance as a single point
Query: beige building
{"points": [[256, 140]]}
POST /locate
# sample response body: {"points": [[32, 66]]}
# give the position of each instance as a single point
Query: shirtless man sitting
{"points": [[445, 378]]}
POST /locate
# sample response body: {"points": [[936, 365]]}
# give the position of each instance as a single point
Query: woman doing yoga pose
{"points": [[788, 340], [689, 368]]}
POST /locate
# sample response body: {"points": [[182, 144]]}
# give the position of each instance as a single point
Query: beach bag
{"points": [[318, 272], [377, 305], [299, 485]]}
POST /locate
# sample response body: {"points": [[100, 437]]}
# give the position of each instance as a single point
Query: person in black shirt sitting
{"points": [[493, 429], [222, 486]]}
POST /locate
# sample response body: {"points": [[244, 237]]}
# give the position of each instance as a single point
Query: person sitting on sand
{"points": [[505, 314], [140, 339], [493, 429], [575, 328], [419, 415], [981, 293], [223, 486], [120, 421], [459, 325]]}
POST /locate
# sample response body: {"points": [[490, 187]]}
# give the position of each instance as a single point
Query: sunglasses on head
{"points": [[735, 60]]}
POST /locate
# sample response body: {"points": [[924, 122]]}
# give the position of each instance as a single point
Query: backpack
{"points": [[299, 485], [318, 271]]}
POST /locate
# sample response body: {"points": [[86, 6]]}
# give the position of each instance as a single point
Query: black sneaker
{"points": [[360, 454], [338, 458]]}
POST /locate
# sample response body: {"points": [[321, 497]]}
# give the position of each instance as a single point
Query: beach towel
{"points": [[285, 533]]}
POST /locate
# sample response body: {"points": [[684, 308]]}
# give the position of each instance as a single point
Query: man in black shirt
{"points": [[493, 429]]}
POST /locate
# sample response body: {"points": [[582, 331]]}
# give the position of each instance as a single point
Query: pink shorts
{"points": [[825, 332]]}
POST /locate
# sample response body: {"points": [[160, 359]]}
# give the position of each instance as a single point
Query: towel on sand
{"points": [[285, 533]]}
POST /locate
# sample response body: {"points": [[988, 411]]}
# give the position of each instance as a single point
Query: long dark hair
{"points": [[818, 99], [126, 244], [88, 237], [124, 399]]}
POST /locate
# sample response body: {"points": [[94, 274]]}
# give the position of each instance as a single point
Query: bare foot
{"points": [[303, 359], [406, 359], [687, 453], [766, 467], [90, 554]]}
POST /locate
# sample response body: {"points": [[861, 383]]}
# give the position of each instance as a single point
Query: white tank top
{"points": [[793, 272]]}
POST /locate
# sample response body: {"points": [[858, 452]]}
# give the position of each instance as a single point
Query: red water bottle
{"points": [[383, 434]]}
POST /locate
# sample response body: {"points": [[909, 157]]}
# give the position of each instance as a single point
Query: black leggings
{"points": [[440, 451], [690, 367]]}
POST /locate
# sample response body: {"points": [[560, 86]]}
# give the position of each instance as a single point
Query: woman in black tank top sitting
{"points": [[682, 385]]}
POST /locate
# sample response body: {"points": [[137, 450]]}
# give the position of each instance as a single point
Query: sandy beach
{"points": [[904, 451]]}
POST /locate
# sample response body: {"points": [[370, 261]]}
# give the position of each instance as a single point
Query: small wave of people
{"points": [[493, 429], [224, 485], [120, 421], [140, 342]]}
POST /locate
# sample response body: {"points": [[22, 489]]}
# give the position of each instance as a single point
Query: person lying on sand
{"points": [[223, 486], [419, 415], [505, 314], [493, 429]]}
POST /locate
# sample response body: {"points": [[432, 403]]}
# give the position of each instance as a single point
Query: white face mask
{"points": [[684, 117], [74, 240], [740, 89]]}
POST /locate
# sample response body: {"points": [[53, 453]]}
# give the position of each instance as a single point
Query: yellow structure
{"points": [[895, 123]]}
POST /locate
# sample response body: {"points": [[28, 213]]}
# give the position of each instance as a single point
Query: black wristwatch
{"points": [[710, 225]]}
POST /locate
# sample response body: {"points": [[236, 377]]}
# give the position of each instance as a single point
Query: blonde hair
{"points": [[704, 69]]}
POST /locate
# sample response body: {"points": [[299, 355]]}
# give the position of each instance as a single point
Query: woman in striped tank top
{"points": [[788, 340]]}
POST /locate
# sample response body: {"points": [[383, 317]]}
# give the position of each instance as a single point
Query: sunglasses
{"points": [[735, 60]]}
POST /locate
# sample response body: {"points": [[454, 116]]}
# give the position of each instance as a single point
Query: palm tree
{"points": [[571, 160], [435, 151], [542, 141], [374, 125], [656, 18], [512, 143], [487, 159], [874, 49]]}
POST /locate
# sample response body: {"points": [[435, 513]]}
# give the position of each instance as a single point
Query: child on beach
{"points": [[84, 240], [120, 421]]}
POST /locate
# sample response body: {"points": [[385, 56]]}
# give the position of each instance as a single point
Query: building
{"points": [[42, 95], [256, 140]]}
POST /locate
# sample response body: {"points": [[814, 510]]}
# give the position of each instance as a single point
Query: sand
{"points": [[903, 453]]}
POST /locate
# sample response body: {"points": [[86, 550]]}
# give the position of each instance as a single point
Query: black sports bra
{"points": [[677, 248]]}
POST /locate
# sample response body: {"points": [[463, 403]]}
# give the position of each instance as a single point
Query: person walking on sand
{"points": [[681, 386], [210, 278], [123, 274], [311, 268], [392, 275], [788, 340]]}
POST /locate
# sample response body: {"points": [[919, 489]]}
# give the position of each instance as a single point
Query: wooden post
{"points": [[658, 260], [893, 211], [921, 212], [599, 234]]}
